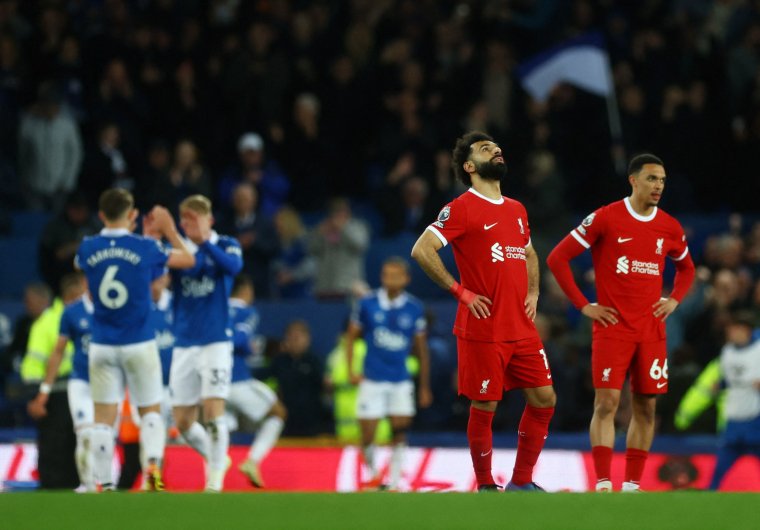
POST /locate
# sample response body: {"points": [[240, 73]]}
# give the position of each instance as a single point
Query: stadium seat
{"points": [[18, 265], [28, 224]]}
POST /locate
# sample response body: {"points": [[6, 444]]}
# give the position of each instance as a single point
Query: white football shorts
{"points": [[136, 364], [80, 403], [200, 372], [381, 399], [252, 399]]}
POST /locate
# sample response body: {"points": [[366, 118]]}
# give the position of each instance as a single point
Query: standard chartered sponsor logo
{"points": [[388, 340], [496, 253], [500, 253], [197, 288], [625, 266]]}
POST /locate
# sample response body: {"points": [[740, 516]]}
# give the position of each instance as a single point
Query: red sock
{"points": [[602, 456], [480, 436], [634, 464], [531, 434]]}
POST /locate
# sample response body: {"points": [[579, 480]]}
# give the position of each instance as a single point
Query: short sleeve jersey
{"points": [[119, 267], [489, 238], [628, 251], [245, 323], [389, 328], [76, 324]]}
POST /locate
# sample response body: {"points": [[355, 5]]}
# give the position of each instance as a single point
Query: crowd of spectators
{"points": [[303, 120]]}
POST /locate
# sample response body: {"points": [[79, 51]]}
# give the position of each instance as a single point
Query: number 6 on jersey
{"points": [[109, 284]]}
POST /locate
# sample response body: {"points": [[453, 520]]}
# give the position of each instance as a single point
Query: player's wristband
{"points": [[462, 294], [45, 388], [456, 289]]}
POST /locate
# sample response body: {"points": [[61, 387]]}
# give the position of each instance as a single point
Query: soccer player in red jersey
{"points": [[629, 240], [498, 345]]}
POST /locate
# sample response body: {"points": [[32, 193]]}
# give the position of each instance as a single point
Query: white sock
{"points": [[102, 444], [197, 438], [368, 451], [219, 437], [83, 456], [266, 437], [152, 439], [397, 463]]}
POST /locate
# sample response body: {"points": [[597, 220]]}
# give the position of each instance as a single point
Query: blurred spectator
{"points": [[37, 298], [705, 331], [154, 186], [56, 441], [293, 267], [185, 176], [299, 375], [407, 207], [104, 165], [271, 183], [305, 154], [50, 150], [255, 234], [61, 237], [338, 244]]}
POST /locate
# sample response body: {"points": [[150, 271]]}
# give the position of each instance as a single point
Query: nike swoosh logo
{"points": [[624, 239], [660, 385], [486, 453], [488, 227]]}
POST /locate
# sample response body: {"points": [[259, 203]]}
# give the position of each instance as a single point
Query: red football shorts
{"points": [[487, 369], [646, 362]]}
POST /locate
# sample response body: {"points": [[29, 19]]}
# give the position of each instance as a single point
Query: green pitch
{"points": [[386, 511]]}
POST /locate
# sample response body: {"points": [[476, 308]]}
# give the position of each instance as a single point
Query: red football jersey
{"points": [[628, 251], [489, 238]]}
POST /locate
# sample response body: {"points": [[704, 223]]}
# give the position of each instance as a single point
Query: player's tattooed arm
{"points": [[425, 252], [531, 300]]}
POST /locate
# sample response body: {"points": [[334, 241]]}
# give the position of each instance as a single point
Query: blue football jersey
{"points": [[389, 327], [201, 294], [245, 321], [119, 267], [162, 319], [76, 324]]}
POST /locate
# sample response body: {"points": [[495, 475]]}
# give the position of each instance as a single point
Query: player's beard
{"points": [[492, 170]]}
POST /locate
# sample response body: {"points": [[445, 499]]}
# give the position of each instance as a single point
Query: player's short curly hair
{"points": [[461, 153], [639, 161]]}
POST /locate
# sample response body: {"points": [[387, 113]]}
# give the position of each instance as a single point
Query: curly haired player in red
{"points": [[497, 343], [629, 240]]}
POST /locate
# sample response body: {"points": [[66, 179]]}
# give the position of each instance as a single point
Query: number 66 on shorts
{"points": [[646, 363]]}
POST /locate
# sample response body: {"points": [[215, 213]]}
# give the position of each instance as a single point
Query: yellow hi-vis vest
{"points": [[346, 395], [43, 336]]}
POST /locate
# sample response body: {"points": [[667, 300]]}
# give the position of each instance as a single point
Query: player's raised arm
{"points": [[160, 222], [229, 258], [558, 262]]}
